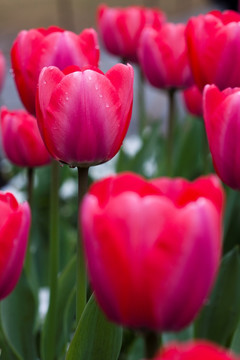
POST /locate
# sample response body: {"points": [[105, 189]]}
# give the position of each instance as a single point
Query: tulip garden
{"points": [[140, 259]]}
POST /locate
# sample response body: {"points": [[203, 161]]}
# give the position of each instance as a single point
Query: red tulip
{"points": [[84, 115], [152, 248], [163, 56], [2, 70], [214, 48], [193, 100], [21, 139], [222, 122], [120, 28], [14, 230], [36, 48], [195, 350]]}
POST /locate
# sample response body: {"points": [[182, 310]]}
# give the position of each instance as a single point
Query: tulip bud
{"points": [[222, 122], [163, 56], [21, 139], [120, 28], [14, 230], [83, 116], [195, 350], [152, 248], [34, 49], [214, 48]]}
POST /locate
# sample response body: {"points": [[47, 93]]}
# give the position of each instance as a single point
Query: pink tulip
{"points": [[222, 122], [37, 48], [152, 248], [2, 70], [14, 230], [83, 116], [195, 350], [21, 139], [193, 100], [163, 56], [214, 48], [120, 28]]}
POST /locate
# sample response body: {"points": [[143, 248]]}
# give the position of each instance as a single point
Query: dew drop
{"points": [[100, 95], [96, 87], [66, 98], [107, 105], [89, 77], [44, 82]]}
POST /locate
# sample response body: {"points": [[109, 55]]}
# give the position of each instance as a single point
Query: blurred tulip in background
{"points": [[14, 230], [21, 139]]}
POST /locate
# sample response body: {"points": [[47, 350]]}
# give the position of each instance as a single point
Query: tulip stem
{"points": [[152, 344], [170, 130], [205, 150], [53, 263], [30, 175], [141, 102], [81, 268]]}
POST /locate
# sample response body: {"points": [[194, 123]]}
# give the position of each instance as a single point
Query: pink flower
{"points": [[36, 48], [14, 230], [21, 139], [152, 248], [222, 122], [193, 100], [2, 70], [195, 350], [120, 28], [83, 116], [214, 48], [163, 56]]}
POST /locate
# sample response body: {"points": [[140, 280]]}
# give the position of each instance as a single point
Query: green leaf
{"points": [[6, 351], [18, 320], [95, 337], [219, 317]]}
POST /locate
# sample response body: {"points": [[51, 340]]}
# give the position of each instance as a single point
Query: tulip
{"points": [[152, 248], [195, 350], [34, 49], [214, 48], [83, 116], [21, 139], [2, 70], [163, 56], [222, 122], [120, 28], [193, 101], [14, 230]]}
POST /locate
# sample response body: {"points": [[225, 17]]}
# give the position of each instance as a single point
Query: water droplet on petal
{"points": [[89, 77], [96, 86], [100, 95], [107, 105], [44, 82]]}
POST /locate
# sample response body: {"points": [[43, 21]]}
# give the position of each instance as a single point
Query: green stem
{"points": [[141, 102], [30, 175], [170, 130], [81, 268], [152, 344], [53, 262]]}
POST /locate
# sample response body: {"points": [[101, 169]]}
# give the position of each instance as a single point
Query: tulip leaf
{"points": [[6, 351], [95, 337], [66, 282], [18, 320], [219, 317]]}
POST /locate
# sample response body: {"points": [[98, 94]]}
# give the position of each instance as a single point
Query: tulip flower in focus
{"points": [[21, 139], [152, 248], [222, 122], [214, 48], [120, 28], [196, 350], [36, 48], [193, 101], [83, 116], [2, 69], [14, 229], [163, 57]]}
